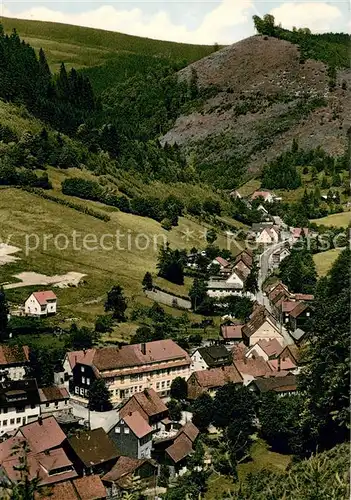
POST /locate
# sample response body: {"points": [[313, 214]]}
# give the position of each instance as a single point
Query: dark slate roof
{"points": [[215, 355], [15, 393], [276, 384], [94, 447]]}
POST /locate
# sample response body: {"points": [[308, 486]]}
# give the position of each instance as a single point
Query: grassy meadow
{"points": [[325, 260], [23, 214], [338, 220]]}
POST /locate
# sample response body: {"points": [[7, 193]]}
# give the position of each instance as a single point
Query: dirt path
{"points": [[31, 279]]}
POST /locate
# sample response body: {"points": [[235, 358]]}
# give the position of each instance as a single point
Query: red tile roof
{"points": [[257, 194], [231, 331], [124, 466], [190, 430], [59, 491], [285, 365], [257, 320], [137, 424], [40, 464], [180, 449], [89, 488], [10, 355], [43, 434], [222, 262], [255, 366], [288, 305], [271, 347], [86, 357], [299, 309], [303, 296], [148, 401], [113, 358], [44, 297], [54, 393], [217, 377], [83, 488]]}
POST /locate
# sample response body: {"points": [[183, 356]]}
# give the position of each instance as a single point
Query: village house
{"points": [[182, 445], [233, 284], [278, 357], [46, 458], [14, 361], [222, 263], [243, 262], [54, 401], [129, 369], [132, 435], [298, 232], [278, 256], [210, 380], [232, 333], [150, 406], [265, 195], [250, 367], [19, 404], [262, 326], [268, 236], [299, 316], [283, 386], [210, 357], [81, 488], [128, 471], [41, 304], [92, 452]]}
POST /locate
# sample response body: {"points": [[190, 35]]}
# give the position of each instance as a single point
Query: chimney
{"points": [[143, 348], [279, 364], [130, 413], [40, 420]]}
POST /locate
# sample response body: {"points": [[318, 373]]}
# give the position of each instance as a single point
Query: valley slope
{"points": [[264, 96]]}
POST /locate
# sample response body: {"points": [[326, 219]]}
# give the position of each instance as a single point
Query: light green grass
{"points": [[262, 458], [249, 187], [338, 220], [22, 214], [325, 260], [18, 119]]}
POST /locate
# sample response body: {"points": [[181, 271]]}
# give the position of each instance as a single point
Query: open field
{"points": [[262, 458], [325, 260], [26, 219], [338, 220]]}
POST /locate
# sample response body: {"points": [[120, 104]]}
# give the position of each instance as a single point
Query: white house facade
{"points": [[41, 304], [19, 404]]}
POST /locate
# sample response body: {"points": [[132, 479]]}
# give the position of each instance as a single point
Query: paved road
{"points": [[168, 299]]}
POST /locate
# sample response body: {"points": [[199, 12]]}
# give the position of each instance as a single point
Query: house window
{"points": [[126, 430], [18, 420], [82, 369], [88, 381], [32, 407], [56, 404], [163, 384], [23, 420], [157, 385], [76, 390], [12, 421], [81, 391], [47, 405], [83, 380], [118, 430], [5, 423], [168, 383], [307, 313]]}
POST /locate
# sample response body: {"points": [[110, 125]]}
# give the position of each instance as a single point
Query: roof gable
{"points": [[94, 447], [137, 424], [44, 297]]}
